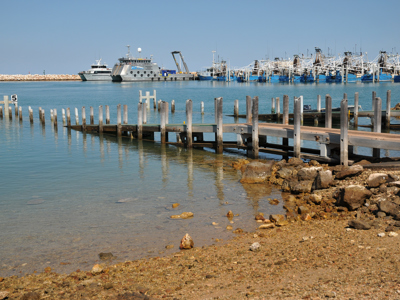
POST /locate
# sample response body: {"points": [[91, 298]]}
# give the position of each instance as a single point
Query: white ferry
{"points": [[97, 72]]}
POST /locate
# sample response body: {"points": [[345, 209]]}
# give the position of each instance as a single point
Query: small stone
{"points": [[303, 210], [186, 242], [381, 214], [358, 224], [260, 216], [382, 234], [255, 246], [282, 223], [169, 246], [108, 286], [229, 214], [214, 223], [266, 226], [393, 234], [47, 269], [97, 269], [229, 227], [105, 256], [175, 205], [274, 202], [186, 215], [276, 218], [238, 230], [306, 217]]}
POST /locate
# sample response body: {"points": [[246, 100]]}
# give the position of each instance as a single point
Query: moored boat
{"points": [[97, 72]]}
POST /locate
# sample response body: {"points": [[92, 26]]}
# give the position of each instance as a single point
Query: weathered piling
{"points": [[159, 105], [272, 105], [285, 109], [355, 114], [202, 107], [388, 108], [344, 138], [248, 109], [373, 98], [16, 109], [107, 114], [30, 114], [55, 118], [140, 122], [301, 110], [376, 152], [189, 120], [83, 118], [43, 117], [328, 111], [63, 115], [91, 115], [220, 129], [101, 118], [296, 127], [172, 106], [318, 103], [51, 115], [163, 123], [125, 120], [76, 116], [119, 127], [278, 109], [40, 115], [68, 117], [166, 114], [20, 113], [144, 112], [1, 112], [6, 113], [236, 108], [254, 133], [10, 112]]}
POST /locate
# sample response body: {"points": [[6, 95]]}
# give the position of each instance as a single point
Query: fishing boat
{"points": [[134, 69], [97, 72]]}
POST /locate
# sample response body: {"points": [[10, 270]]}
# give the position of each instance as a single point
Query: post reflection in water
{"points": [[141, 158], [219, 184], [84, 141], [101, 141], [190, 172], [69, 139], [120, 152], [164, 165]]}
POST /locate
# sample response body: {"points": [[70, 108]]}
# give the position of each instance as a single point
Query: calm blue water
{"points": [[66, 196]]}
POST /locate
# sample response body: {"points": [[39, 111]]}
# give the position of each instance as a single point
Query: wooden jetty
{"points": [[334, 145]]}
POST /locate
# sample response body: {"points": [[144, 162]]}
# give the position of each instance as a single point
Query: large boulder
{"points": [[353, 196], [308, 173], [389, 207], [376, 179], [349, 171], [293, 186], [323, 180], [257, 172]]}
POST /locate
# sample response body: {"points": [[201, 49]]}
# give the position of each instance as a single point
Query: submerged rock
{"points": [[257, 172]]}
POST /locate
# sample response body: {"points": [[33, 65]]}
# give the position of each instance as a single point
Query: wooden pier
{"points": [[334, 145]]}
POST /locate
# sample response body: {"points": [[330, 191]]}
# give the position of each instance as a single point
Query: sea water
{"points": [[66, 196]]}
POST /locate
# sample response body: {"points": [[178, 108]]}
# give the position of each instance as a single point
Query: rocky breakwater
{"points": [[36, 77], [319, 191]]}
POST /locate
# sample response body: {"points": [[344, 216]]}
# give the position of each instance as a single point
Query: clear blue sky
{"points": [[65, 37]]}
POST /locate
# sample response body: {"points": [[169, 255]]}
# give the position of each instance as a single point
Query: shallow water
{"points": [[67, 196]]}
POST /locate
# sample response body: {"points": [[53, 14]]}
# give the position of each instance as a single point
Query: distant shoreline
{"points": [[37, 77]]}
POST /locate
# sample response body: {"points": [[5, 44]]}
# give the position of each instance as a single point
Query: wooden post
{"points": [[376, 152], [285, 109], [189, 111], [301, 110], [147, 99], [155, 101], [163, 122], [159, 105], [344, 138], [10, 112], [40, 115], [318, 103], [220, 131], [63, 115], [296, 129], [236, 108], [388, 108], [373, 99], [272, 105], [172, 106], [83, 118], [76, 116], [30, 114], [144, 112], [16, 109], [1, 112], [119, 132], [68, 117], [6, 113], [43, 117], [140, 122], [328, 111], [20, 113], [202, 107], [140, 96], [166, 114], [55, 118], [125, 114], [107, 114], [248, 109], [356, 109], [101, 118], [91, 115], [216, 110], [278, 109], [51, 115], [254, 132]]}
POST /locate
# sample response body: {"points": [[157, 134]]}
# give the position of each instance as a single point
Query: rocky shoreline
{"points": [[36, 77], [338, 239]]}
